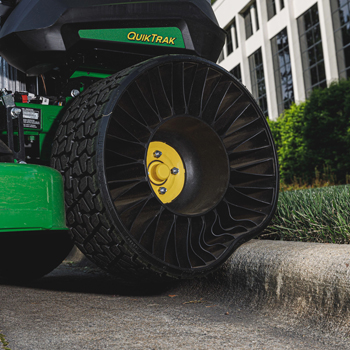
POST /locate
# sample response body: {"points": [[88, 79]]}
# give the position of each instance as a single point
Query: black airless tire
{"points": [[30, 255], [169, 166]]}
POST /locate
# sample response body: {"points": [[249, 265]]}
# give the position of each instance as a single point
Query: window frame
{"points": [[311, 48]]}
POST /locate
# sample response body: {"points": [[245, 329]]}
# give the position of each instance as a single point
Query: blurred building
{"points": [[283, 49], [10, 78]]}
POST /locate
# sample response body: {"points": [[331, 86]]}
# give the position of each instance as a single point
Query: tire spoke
{"points": [[209, 240], [259, 181], [237, 158], [262, 167], [143, 106], [180, 105], [163, 231], [120, 189], [144, 225], [259, 139], [124, 148], [181, 242], [194, 249], [117, 130], [239, 139], [113, 158], [215, 101], [212, 82], [166, 77], [234, 197], [126, 172], [219, 234], [229, 118], [171, 256], [197, 91], [228, 223], [266, 194], [240, 213], [126, 104], [163, 106], [130, 209], [132, 125], [243, 120], [228, 104], [144, 85], [198, 244], [135, 193]]}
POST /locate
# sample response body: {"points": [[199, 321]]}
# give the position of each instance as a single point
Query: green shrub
{"points": [[313, 137], [327, 129], [288, 135], [292, 152], [275, 127]]}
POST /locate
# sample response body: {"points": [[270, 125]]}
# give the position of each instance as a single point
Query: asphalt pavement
{"points": [[79, 306]]}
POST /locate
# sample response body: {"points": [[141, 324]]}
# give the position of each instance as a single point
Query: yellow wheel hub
{"points": [[166, 171]]}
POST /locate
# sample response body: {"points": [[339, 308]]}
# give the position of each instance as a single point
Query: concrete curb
{"points": [[309, 279]]}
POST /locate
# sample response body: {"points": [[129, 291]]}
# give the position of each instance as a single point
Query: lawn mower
{"points": [[129, 141]]}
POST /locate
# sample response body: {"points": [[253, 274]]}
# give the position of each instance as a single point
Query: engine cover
{"points": [[100, 34]]}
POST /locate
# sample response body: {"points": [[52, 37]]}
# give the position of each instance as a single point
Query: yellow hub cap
{"points": [[166, 171], [158, 172]]}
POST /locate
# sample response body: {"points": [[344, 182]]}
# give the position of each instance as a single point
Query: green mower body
{"points": [[31, 198], [167, 162]]}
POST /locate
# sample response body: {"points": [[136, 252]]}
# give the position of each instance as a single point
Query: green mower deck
{"points": [[31, 198]]}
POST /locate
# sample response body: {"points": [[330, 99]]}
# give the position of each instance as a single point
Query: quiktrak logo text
{"points": [[151, 38]]}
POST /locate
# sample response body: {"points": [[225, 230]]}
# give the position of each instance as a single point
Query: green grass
{"points": [[3, 342], [312, 215]]}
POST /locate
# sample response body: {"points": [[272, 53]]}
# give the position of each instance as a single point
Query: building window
{"points": [[229, 44], [341, 27], [231, 38], [222, 56], [281, 4], [248, 24], [234, 28], [258, 79], [236, 72], [282, 70], [271, 9], [255, 11], [251, 21], [311, 50]]}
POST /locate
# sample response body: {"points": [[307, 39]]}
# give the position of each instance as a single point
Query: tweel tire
{"points": [[169, 166]]}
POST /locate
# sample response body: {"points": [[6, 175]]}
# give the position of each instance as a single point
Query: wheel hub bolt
{"points": [[162, 190], [15, 112], [174, 171], [157, 154], [74, 93]]}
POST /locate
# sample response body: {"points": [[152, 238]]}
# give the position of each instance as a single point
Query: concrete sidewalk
{"points": [[84, 308], [310, 280]]}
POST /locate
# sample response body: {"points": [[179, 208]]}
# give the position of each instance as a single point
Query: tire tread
{"points": [[74, 152]]}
